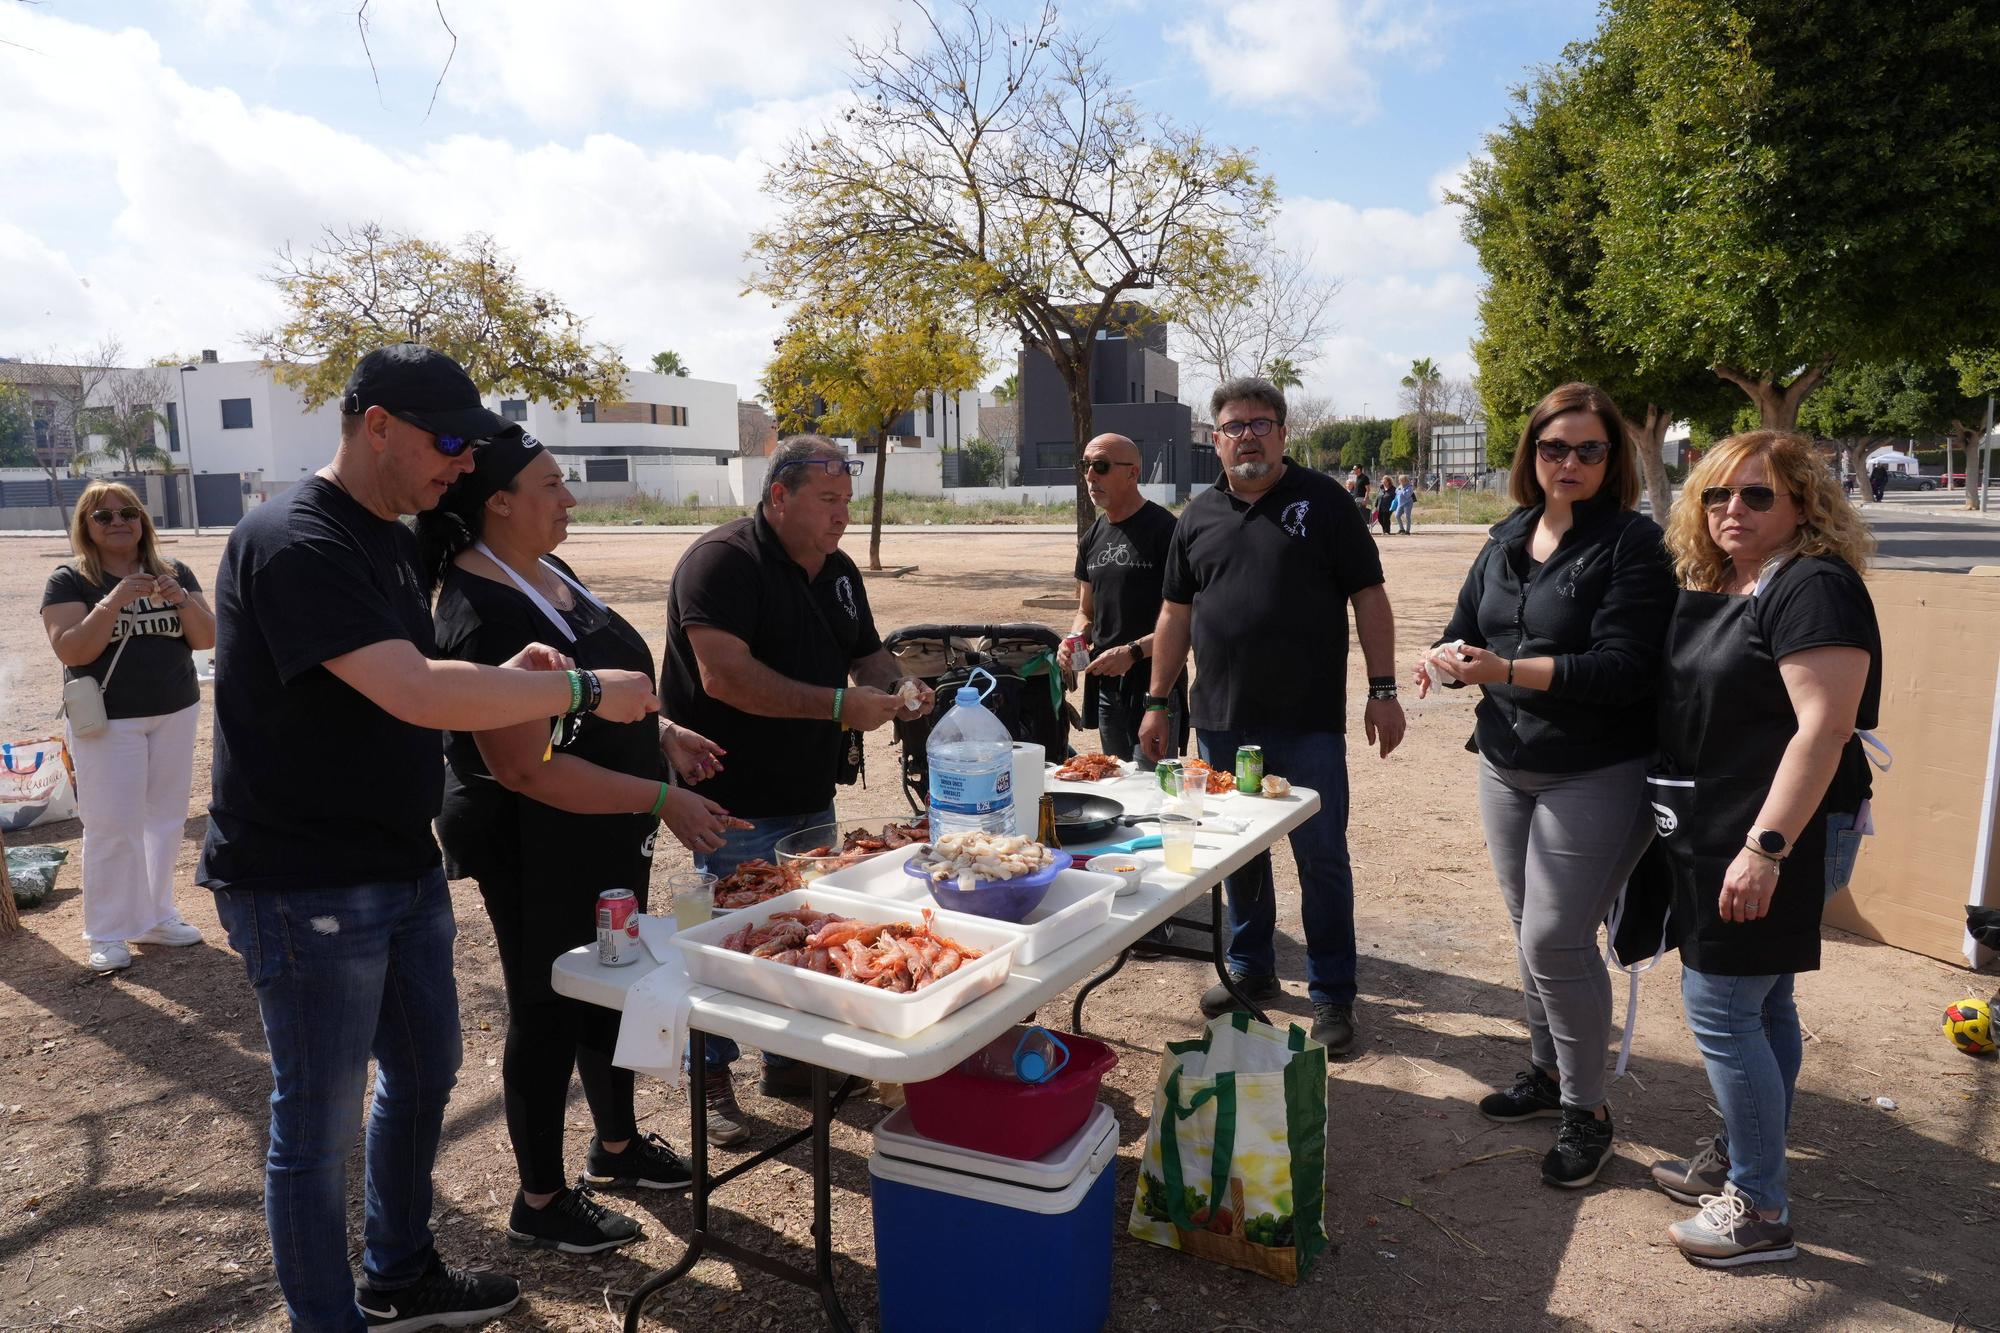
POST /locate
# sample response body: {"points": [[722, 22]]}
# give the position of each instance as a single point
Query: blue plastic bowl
{"points": [[999, 899]]}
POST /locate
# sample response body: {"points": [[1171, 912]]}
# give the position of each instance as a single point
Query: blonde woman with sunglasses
{"points": [[131, 620]]}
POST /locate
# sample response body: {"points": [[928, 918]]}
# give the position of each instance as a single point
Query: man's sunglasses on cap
{"points": [[451, 446], [1757, 499], [1101, 465], [833, 467], [102, 517]]}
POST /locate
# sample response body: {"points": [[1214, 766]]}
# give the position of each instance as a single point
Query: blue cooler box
{"points": [[999, 1243]]}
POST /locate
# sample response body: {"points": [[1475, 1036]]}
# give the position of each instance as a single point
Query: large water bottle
{"points": [[971, 758]]}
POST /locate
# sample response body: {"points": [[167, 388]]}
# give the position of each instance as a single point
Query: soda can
{"points": [[617, 927], [1250, 768], [1079, 655], [1165, 773]]}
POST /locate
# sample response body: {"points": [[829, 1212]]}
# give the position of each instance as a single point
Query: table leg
{"points": [[1216, 953], [1076, 1005], [824, 1106], [697, 1193], [1219, 952]]}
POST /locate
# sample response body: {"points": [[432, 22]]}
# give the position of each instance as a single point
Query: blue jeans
{"points": [[759, 842], [339, 975], [1315, 759], [1747, 1029]]}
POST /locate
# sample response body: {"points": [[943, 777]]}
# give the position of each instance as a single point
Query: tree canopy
{"points": [[668, 363], [364, 287], [17, 429]]}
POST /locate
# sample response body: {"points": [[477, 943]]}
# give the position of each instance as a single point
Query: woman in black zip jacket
{"points": [[1561, 622]]}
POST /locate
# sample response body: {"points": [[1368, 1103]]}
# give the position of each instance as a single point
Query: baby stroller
{"points": [[1027, 696]]}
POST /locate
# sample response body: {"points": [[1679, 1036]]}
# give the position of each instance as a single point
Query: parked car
{"points": [[1908, 481], [1952, 481]]}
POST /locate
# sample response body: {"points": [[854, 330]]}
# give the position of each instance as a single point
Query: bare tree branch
{"points": [[447, 59]]}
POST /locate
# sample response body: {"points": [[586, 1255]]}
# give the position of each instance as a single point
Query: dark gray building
{"points": [[1135, 392]]}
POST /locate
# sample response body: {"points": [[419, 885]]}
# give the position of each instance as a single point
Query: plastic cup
{"points": [[694, 897], [1177, 843]]}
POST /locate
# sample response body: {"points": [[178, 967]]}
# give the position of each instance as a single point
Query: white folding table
{"points": [[831, 1047]]}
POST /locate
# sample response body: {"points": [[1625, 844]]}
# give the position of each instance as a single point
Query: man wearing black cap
{"points": [[328, 771]]}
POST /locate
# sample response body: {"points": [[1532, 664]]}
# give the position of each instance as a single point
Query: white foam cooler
{"points": [[971, 1241]]}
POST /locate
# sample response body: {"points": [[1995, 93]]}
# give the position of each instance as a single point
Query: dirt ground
{"points": [[132, 1107]]}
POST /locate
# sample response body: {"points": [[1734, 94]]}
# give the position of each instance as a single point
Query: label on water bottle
{"points": [[972, 793]]}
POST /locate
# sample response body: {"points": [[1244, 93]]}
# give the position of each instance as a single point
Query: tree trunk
{"points": [[1076, 374], [1977, 459], [875, 515], [1777, 404], [1648, 435], [1856, 453], [1947, 464]]}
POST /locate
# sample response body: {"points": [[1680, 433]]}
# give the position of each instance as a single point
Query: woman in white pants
{"points": [[130, 620]]}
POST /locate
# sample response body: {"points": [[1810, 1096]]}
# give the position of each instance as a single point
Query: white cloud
{"points": [[1319, 55]]}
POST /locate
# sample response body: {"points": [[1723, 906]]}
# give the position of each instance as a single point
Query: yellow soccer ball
{"points": [[1968, 1025]]}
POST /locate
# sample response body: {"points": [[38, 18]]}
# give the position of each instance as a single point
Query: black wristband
{"points": [[1381, 692], [1381, 682], [1158, 701], [593, 692]]}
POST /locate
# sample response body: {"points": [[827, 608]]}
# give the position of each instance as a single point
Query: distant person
{"points": [[1357, 485], [545, 825], [329, 705], [1563, 620], [1385, 504], [128, 618], [1878, 480], [1775, 661], [1406, 504], [1259, 577]]}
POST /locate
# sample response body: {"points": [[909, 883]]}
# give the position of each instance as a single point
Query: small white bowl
{"points": [[1129, 869]]}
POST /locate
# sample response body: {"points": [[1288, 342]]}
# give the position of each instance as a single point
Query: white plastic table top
{"points": [[852, 1050]]}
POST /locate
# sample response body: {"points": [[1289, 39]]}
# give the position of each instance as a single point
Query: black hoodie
{"points": [[1600, 607]]}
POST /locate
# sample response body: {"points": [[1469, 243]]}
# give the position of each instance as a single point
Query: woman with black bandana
{"points": [[544, 823]]}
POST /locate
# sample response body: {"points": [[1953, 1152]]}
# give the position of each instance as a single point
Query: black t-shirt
{"points": [[1821, 602], [739, 579], [1124, 564], [314, 786], [155, 675], [1269, 583]]}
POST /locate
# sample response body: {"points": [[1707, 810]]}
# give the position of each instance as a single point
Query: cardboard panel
{"points": [[1933, 849]]}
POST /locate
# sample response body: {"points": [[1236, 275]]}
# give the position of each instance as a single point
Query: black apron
{"points": [[556, 858], [1725, 719]]}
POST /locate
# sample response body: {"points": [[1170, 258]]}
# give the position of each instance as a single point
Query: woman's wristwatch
{"points": [[1768, 843]]}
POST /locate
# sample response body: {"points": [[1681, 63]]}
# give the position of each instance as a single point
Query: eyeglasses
{"points": [[102, 517], [1236, 430], [1100, 465], [833, 467], [1587, 453], [451, 446], [1757, 499]]}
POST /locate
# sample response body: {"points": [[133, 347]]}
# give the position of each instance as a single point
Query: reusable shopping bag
{"points": [[1235, 1162], [36, 783]]}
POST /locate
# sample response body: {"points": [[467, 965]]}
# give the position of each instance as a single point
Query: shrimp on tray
{"points": [[894, 956]]}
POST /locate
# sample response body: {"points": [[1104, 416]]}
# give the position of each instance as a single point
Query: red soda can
{"points": [[617, 927], [1079, 655]]}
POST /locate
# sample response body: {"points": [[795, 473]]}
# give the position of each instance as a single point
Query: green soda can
{"points": [[1250, 769], [1165, 772]]}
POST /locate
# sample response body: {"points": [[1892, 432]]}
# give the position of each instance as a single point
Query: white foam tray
{"points": [[837, 998], [1077, 902]]}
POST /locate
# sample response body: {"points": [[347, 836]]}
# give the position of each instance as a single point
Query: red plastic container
{"points": [[1008, 1118]]}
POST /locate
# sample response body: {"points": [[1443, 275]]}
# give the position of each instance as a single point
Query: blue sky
{"points": [[159, 153]]}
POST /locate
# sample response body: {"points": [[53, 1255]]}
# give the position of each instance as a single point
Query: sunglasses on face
{"points": [[1587, 453], [1100, 465], [1236, 430], [102, 517], [451, 446], [833, 467], [1757, 499]]}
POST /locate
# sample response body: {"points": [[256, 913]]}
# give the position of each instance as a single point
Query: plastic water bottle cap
{"points": [[1031, 1066], [967, 696]]}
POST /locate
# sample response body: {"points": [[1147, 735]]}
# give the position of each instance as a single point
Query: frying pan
{"points": [[1082, 819]]}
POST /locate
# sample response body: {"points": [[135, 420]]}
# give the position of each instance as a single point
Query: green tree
{"points": [[852, 367], [1866, 405], [668, 363], [1792, 185], [1001, 168], [365, 287], [17, 429], [1009, 389], [1423, 394], [1402, 443], [1282, 373]]}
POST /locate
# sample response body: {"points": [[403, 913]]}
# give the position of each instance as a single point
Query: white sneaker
{"points": [[109, 956], [175, 932]]}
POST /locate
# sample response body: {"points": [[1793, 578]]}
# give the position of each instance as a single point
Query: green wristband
{"points": [[660, 801], [838, 695], [575, 690]]}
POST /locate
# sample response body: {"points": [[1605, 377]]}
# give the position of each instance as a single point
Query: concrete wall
{"points": [[972, 495]]}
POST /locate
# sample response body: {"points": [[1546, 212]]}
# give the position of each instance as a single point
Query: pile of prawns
{"points": [[893, 956]]}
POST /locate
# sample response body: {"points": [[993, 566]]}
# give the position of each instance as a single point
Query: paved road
{"points": [[1929, 530]]}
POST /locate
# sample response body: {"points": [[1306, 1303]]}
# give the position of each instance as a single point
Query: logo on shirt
{"points": [[1575, 572], [148, 618], [646, 847], [1294, 517], [843, 592], [1121, 554], [1666, 820]]}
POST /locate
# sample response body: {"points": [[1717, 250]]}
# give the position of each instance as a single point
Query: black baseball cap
{"points": [[424, 387]]}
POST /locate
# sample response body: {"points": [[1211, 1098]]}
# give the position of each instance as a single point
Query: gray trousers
{"points": [[1563, 845]]}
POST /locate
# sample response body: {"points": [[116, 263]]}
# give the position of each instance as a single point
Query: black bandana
{"points": [[497, 462]]}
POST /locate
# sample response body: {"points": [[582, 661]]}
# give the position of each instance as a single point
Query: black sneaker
{"points": [[573, 1222], [1583, 1146], [1147, 945], [1533, 1096], [1333, 1027], [442, 1298], [646, 1161], [1217, 1001], [791, 1081]]}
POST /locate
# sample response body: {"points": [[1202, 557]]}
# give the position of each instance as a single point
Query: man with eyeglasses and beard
{"points": [[330, 711], [1259, 575], [767, 623]]}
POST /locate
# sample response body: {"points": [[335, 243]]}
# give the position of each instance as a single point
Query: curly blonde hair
{"points": [[1832, 526]]}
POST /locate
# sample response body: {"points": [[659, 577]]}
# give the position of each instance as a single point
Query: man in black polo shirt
{"points": [[329, 768], [1259, 575], [767, 622]]}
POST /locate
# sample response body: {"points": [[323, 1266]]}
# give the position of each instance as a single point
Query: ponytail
{"points": [[446, 530]]}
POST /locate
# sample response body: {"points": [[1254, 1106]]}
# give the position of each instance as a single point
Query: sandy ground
{"points": [[134, 1110]]}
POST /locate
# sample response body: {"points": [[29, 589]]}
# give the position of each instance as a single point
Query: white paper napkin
{"points": [[652, 1034]]}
